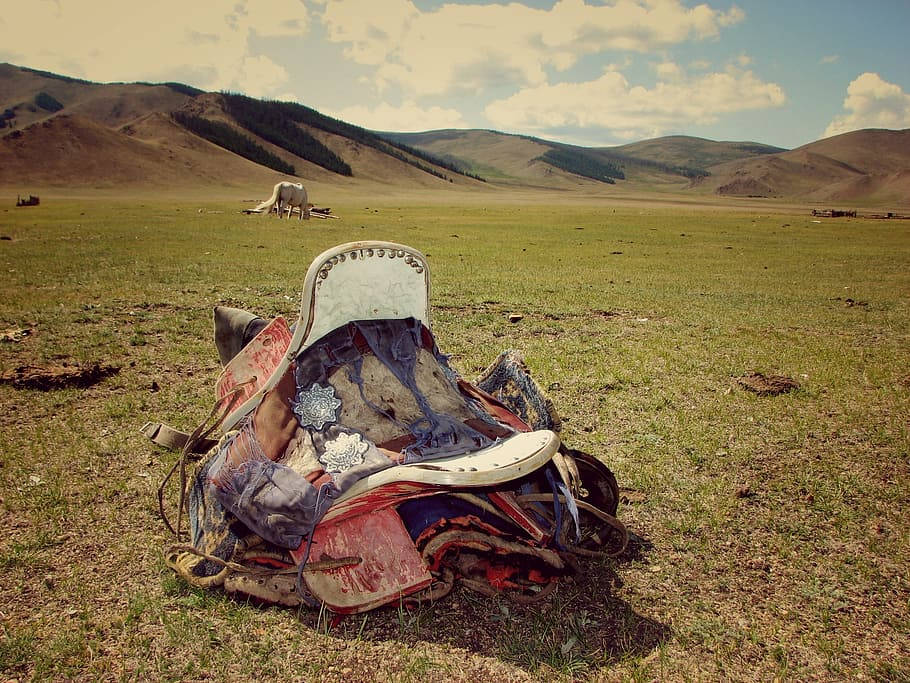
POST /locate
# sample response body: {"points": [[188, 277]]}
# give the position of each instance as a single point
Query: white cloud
{"points": [[668, 71], [205, 43], [407, 118], [872, 102], [261, 75], [611, 103], [470, 47], [829, 59]]}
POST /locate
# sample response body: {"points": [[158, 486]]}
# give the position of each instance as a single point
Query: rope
{"points": [[309, 544], [198, 435]]}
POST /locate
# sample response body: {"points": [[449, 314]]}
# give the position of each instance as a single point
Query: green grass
{"points": [[775, 528]]}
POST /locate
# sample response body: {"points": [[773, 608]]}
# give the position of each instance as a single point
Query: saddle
{"points": [[355, 468]]}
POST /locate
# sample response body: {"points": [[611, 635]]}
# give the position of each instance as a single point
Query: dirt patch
{"points": [[51, 377], [14, 334], [850, 303], [771, 385]]}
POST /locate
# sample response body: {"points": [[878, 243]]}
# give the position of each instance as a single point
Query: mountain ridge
{"points": [[61, 131]]}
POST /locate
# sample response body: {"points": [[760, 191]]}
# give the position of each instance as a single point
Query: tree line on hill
{"points": [[42, 100], [582, 164], [608, 167], [277, 122], [230, 139], [684, 171]]}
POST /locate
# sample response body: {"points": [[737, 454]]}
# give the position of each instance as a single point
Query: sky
{"points": [[588, 72]]}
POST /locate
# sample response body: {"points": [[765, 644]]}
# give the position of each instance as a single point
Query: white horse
{"points": [[286, 196]]}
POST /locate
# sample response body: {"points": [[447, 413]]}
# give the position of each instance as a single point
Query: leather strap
{"points": [[168, 437]]}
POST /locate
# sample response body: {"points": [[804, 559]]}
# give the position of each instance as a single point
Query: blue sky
{"points": [[592, 72]]}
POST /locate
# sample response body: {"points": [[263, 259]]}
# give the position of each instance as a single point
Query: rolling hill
{"points": [[669, 162], [513, 160], [860, 166], [690, 152], [57, 131]]}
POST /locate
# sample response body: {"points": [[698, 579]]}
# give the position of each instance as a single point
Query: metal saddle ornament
{"points": [[355, 468]]}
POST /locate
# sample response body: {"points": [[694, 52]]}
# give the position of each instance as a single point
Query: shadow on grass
{"points": [[582, 626]]}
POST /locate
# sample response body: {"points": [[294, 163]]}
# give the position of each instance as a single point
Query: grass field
{"points": [[771, 532]]}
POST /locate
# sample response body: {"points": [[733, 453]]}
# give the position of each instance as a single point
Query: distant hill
{"points": [[691, 152], [498, 157], [58, 131], [861, 166], [153, 151], [867, 166], [673, 160]]}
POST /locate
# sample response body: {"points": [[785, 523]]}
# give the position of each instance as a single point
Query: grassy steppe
{"points": [[771, 532]]}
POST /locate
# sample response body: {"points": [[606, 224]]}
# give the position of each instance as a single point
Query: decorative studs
{"points": [[363, 254]]}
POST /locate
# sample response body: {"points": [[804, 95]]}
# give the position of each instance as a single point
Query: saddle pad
{"points": [[256, 361], [390, 567]]}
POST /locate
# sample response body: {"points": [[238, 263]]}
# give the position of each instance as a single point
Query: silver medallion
{"points": [[316, 406], [343, 452]]}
